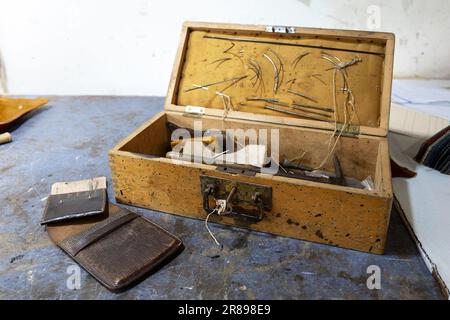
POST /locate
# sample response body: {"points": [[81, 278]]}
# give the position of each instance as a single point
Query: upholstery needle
{"points": [[302, 95], [311, 111], [268, 100], [313, 107], [275, 70], [296, 114], [288, 44], [215, 83]]}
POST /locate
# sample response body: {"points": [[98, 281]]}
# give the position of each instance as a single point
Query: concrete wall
{"points": [[127, 47]]}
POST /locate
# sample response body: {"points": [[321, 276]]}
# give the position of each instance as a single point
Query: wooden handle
{"points": [[207, 140], [5, 137]]}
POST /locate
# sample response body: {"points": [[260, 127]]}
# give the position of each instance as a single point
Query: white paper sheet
{"points": [[421, 91], [425, 200], [429, 96]]}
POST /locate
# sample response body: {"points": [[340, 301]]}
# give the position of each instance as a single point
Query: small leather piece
{"points": [[401, 172], [117, 250], [67, 206]]}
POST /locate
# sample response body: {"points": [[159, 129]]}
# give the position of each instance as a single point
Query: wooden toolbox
{"points": [[328, 94]]}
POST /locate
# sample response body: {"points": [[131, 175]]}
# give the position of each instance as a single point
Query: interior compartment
{"points": [[359, 157], [209, 55]]}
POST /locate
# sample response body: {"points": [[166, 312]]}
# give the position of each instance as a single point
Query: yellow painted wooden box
{"points": [[349, 71]]}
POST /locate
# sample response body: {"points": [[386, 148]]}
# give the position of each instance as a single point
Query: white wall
{"points": [[127, 47]]}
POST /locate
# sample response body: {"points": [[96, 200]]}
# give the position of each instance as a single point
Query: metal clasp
{"points": [[239, 199], [194, 111], [280, 29]]}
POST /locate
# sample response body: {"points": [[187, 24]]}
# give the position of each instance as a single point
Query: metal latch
{"points": [[239, 199], [350, 130], [239, 170], [280, 29], [194, 111]]}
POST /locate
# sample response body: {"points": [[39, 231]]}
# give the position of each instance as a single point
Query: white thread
{"points": [[299, 157], [209, 230], [219, 154], [227, 106], [335, 124], [221, 206], [349, 100]]}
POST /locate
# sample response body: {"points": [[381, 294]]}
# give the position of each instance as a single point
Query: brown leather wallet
{"points": [[117, 247]]}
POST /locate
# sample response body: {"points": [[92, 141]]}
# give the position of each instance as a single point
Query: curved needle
{"points": [[220, 61], [281, 67], [328, 59], [297, 60], [203, 86], [255, 66], [275, 70]]}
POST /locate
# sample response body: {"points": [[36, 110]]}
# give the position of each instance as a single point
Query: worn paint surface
{"points": [[344, 219], [69, 140]]}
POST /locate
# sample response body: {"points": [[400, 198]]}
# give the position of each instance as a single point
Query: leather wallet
{"points": [[117, 247]]}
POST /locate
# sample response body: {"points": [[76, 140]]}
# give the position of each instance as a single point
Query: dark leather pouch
{"points": [[116, 248]]}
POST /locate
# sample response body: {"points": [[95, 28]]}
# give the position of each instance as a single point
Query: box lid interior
{"points": [[319, 78]]}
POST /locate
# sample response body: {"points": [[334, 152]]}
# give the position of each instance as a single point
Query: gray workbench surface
{"points": [[69, 140]]}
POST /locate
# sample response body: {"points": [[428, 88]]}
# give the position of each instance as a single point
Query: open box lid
{"points": [[318, 78]]}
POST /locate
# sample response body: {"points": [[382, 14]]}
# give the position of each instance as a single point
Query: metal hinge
{"points": [[280, 29], [350, 130], [194, 111]]}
